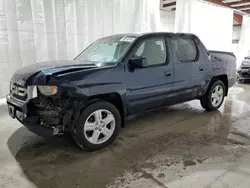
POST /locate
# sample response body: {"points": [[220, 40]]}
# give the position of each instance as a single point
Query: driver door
{"points": [[148, 88]]}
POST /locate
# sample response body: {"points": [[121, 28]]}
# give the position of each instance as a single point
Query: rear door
{"points": [[189, 68], [148, 88]]}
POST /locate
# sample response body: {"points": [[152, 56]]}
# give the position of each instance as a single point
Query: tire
{"points": [[89, 118], [206, 100]]}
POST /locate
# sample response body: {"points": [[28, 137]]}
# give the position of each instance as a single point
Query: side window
{"points": [[185, 49], [154, 50]]}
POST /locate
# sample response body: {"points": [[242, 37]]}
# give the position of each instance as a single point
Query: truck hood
{"points": [[49, 68]]}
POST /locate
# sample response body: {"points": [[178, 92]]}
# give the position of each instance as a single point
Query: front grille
{"points": [[245, 75], [18, 92], [245, 67]]}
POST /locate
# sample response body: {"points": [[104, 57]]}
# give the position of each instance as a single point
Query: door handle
{"points": [[201, 68], [167, 73]]}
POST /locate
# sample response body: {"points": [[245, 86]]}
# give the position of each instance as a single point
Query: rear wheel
{"points": [[214, 97], [98, 126]]}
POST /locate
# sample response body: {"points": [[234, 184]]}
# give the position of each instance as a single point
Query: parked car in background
{"points": [[115, 77], [244, 70]]}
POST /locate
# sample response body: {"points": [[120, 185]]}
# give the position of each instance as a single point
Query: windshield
{"points": [[106, 50]]}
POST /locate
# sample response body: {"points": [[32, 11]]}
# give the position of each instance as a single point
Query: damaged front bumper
{"points": [[46, 115], [16, 108], [19, 110], [18, 99]]}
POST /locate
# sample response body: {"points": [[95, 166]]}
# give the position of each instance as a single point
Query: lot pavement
{"points": [[181, 146]]}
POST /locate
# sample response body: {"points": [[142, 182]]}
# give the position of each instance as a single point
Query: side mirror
{"points": [[138, 62]]}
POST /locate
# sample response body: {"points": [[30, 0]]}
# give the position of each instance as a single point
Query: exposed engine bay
{"points": [[56, 112]]}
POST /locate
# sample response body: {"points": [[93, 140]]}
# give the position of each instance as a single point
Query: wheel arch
{"points": [[223, 78], [113, 98]]}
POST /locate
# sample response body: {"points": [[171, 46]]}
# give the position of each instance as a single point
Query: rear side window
{"points": [[185, 49]]}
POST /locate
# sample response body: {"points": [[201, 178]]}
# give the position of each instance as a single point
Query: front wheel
{"points": [[214, 97], [98, 126]]}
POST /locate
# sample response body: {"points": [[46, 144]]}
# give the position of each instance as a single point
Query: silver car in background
{"points": [[244, 70]]}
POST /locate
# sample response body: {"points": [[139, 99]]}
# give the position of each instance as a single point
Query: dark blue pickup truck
{"points": [[115, 77]]}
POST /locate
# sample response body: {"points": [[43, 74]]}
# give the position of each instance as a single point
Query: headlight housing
{"points": [[48, 90]]}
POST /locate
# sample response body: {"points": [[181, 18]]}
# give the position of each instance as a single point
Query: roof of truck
{"points": [[154, 34]]}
